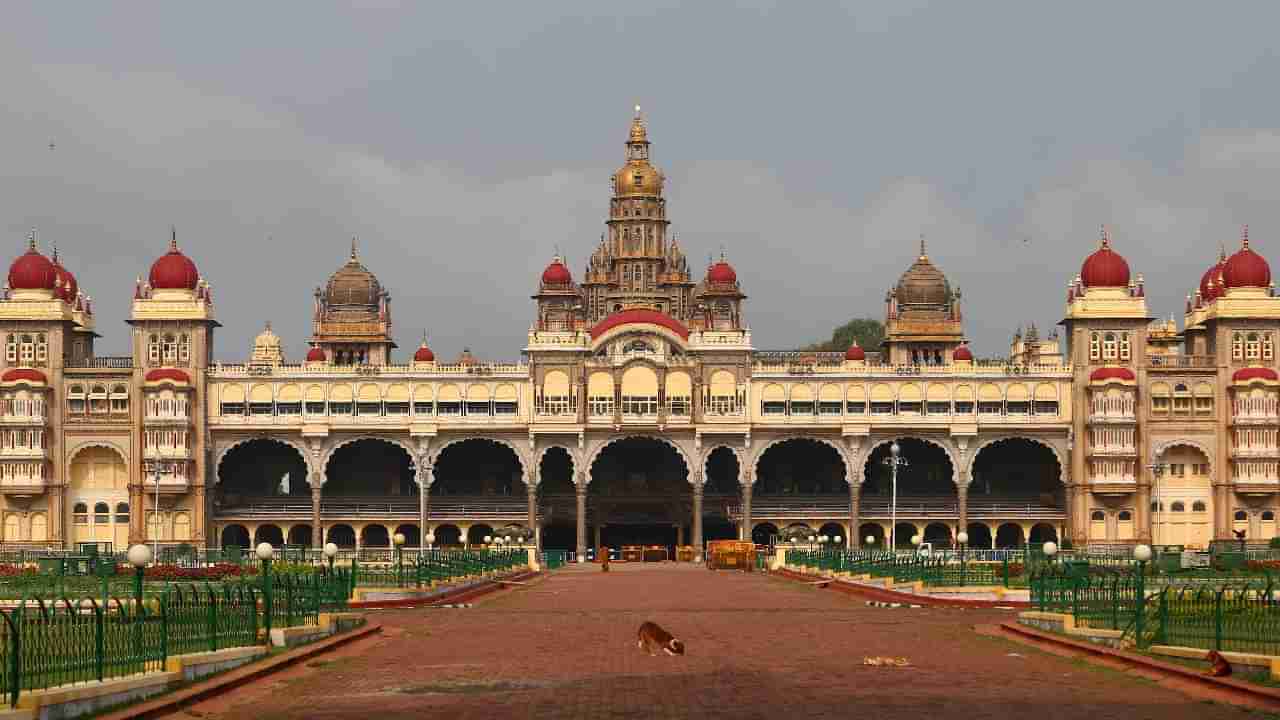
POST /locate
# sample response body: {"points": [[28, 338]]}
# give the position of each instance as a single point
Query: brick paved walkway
{"points": [[759, 647]]}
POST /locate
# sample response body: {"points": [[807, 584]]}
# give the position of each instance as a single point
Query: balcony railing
{"points": [[800, 365], [118, 362], [246, 370], [1180, 362]]}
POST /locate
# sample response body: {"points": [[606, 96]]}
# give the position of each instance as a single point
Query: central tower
{"points": [[636, 265]]}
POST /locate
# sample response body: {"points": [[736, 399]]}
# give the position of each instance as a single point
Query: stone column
{"points": [[317, 534], [137, 516], [855, 500], [962, 501], [1226, 514], [746, 510], [679, 535], [697, 522], [531, 497], [581, 492], [424, 503], [598, 530], [1142, 498]]}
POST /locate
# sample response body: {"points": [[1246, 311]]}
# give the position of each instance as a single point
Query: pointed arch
{"points": [[542, 453], [944, 446], [840, 452], [328, 456], [81, 447], [1063, 466], [524, 462], [302, 452]]}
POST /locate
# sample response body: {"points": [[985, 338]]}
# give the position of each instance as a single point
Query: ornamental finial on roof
{"points": [[1244, 237], [1106, 237], [924, 255], [638, 132], [353, 247], [31, 240], [173, 238]]}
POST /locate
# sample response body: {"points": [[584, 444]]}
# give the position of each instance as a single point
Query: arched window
{"points": [[1252, 347], [1095, 347], [1125, 516], [1124, 346], [1198, 506], [1098, 516], [1268, 515], [1237, 347], [1109, 350], [1178, 506], [1156, 507], [101, 513], [1241, 516], [122, 513], [184, 349], [80, 514], [119, 398]]}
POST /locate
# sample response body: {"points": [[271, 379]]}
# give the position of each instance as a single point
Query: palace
{"points": [[641, 412]]}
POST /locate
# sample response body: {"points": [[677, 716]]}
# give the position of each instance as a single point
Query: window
{"points": [[990, 408], [1124, 346], [964, 407], [119, 399], [184, 349], [1204, 405], [802, 407], [510, 408], [829, 408], [122, 513], [1018, 408], [1178, 507], [75, 399], [294, 408], [81, 514], [340, 408], [1252, 347], [1160, 405], [1177, 469], [1098, 516], [317, 408], [1182, 405], [169, 350], [369, 408], [881, 408], [679, 405], [1095, 347], [1197, 506], [98, 399], [1268, 352], [1125, 516], [855, 408], [263, 408], [1268, 515], [153, 350], [1241, 516], [1046, 407], [772, 407], [397, 408], [909, 408], [232, 408], [101, 513], [42, 348], [479, 408], [1237, 347], [27, 351], [1109, 350], [938, 408]]}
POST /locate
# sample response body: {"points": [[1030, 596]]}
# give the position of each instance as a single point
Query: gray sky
{"points": [[464, 141]]}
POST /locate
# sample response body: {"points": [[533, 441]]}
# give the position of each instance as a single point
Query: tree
{"points": [[868, 332]]}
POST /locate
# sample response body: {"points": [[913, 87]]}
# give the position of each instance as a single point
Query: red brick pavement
{"points": [[759, 647]]}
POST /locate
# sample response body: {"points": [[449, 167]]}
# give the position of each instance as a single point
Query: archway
{"points": [[411, 535], [300, 535], [1042, 533], [833, 531], [874, 531], [764, 534], [370, 467], [637, 495], [720, 490], [721, 473], [1009, 535], [1185, 493], [447, 536], [270, 534], [938, 534], [979, 536], [341, 535], [902, 534], [800, 467], [235, 536], [375, 536], [557, 504], [262, 471], [477, 533], [1016, 470], [927, 477], [99, 476]]}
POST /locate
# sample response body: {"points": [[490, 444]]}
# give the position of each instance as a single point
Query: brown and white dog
{"points": [[652, 638], [1218, 667]]}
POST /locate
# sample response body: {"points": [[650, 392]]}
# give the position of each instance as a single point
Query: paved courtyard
{"points": [[758, 647]]}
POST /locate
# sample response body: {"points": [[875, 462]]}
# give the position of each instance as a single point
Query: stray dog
{"points": [[604, 560], [1219, 667], [652, 638]]}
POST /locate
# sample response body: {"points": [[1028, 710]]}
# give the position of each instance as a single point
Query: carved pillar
{"points": [[581, 492], [531, 494], [697, 522], [138, 516], [746, 510], [962, 501], [1226, 514], [317, 533], [1142, 499], [424, 501], [855, 501]]}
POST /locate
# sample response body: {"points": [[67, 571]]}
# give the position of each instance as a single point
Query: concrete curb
{"points": [[1237, 692], [879, 604], [451, 597], [890, 596], [172, 702]]}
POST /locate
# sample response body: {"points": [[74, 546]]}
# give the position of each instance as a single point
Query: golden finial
{"points": [[1106, 237], [424, 337], [173, 238], [31, 240], [353, 247], [1244, 237], [638, 132], [923, 254], [637, 110]]}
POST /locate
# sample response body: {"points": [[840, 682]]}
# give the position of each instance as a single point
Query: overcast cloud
{"points": [[464, 142]]}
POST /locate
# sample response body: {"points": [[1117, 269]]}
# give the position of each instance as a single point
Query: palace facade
{"points": [[641, 412]]}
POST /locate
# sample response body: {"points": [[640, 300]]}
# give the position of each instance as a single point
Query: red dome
{"points": [[424, 354], [1111, 373], [722, 272], [855, 353], [640, 316], [1254, 373], [962, 353], [1212, 275], [315, 354], [556, 273], [174, 271], [1105, 267], [32, 271], [1246, 268], [169, 374], [23, 374]]}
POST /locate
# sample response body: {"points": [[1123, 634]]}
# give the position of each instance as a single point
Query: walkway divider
{"points": [[886, 595], [464, 593]]}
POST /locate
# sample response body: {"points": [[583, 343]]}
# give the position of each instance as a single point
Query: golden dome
{"points": [[638, 178], [353, 287], [267, 338], [923, 283], [266, 348]]}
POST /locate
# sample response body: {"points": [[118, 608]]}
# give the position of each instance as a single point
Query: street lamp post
{"points": [[1157, 470], [894, 461], [1141, 554], [963, 539], [157, 468], [139, 556], [265, 553], [330, 553], [398, 541]]}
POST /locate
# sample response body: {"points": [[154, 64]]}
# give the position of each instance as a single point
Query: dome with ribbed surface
{"points": [[32, 270], [923, 283], [557, 273], [1246, 268], [1105, 267], [722, 273], [1211, 281]]}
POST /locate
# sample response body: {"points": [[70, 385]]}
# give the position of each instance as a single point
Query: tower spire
{"points": [[924, 255], [1105, 236], [31, 240], [1244, 237], [173, 238], [353, 247]]}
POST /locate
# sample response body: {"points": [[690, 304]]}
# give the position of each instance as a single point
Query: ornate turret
{"points": [[266, 348], [922, 316], [352, 321]]}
